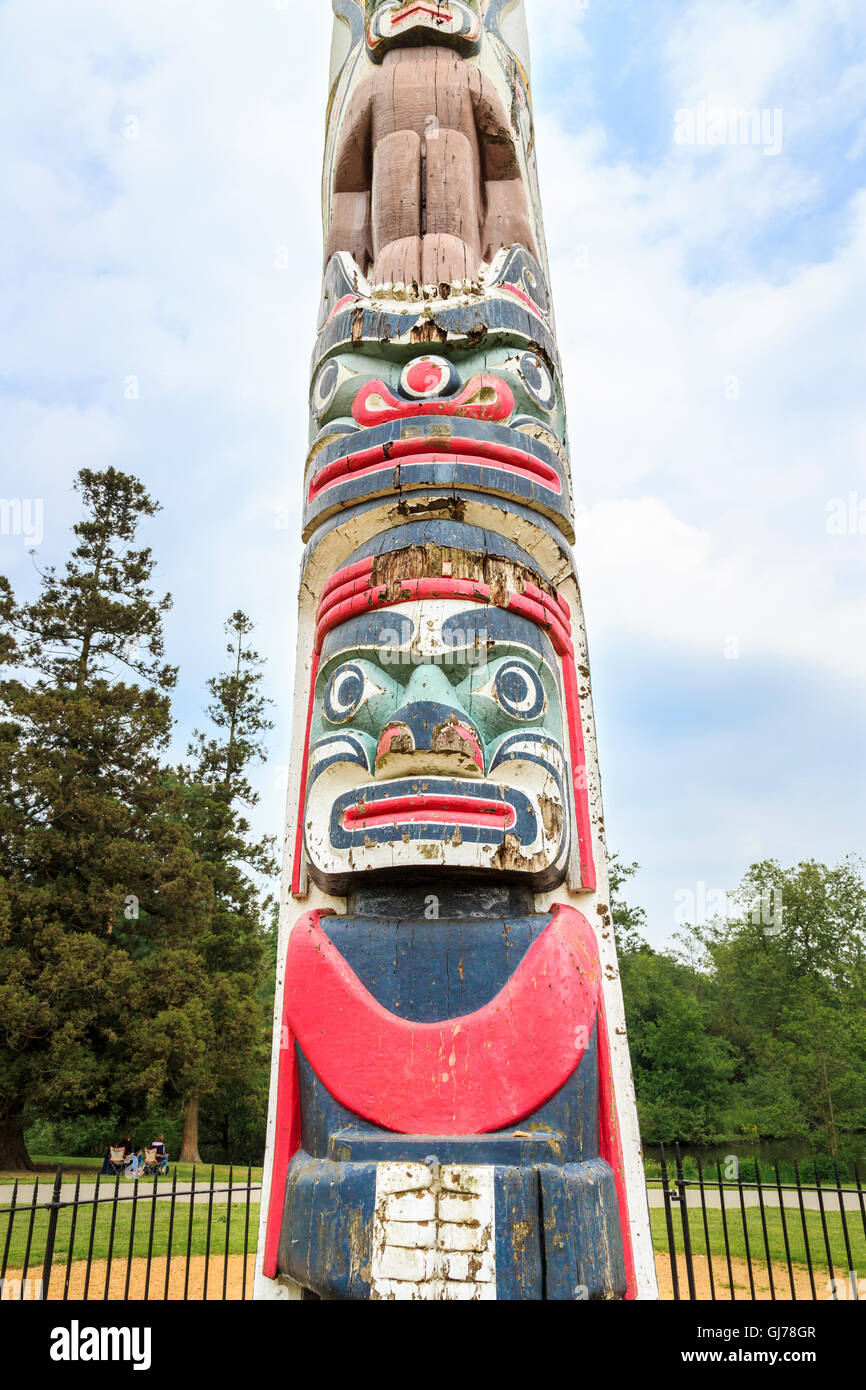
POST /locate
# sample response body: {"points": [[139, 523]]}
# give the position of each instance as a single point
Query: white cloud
{"points": [[751, 52], [646, 574], [738, 406]]}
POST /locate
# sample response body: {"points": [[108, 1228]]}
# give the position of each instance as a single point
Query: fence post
{"points": [[53, 1213], [672, 1245], [684, 1216], [8, 1242]]}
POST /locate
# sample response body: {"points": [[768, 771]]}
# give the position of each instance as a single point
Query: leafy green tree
{"points": [[224, 1058], [789, 967], [629, 922], [753, 1023], [95, 861]]}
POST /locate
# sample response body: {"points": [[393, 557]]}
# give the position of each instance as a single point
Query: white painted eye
{"points": [[518, 690], [538, 381], [348, 689], [326, 385], [424, 378]]}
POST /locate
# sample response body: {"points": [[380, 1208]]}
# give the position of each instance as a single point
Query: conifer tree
{"points": [[238, 865], [98, 874]]}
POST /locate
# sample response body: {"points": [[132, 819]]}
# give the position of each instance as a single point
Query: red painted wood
{"points": [[336, 610], [468, 1075], [439, 810], [611, 1142], [524, 298], [368, 410], [580, 780], [343, 576], [379, 457], [286, 1141], [341, 304]]}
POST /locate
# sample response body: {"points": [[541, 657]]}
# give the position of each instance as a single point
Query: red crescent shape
{"points": [[573, 941], [466, 404], [467, 1075]]}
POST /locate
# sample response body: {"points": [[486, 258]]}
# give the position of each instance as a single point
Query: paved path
{"points": [[771, 1199], [220, 1196]]}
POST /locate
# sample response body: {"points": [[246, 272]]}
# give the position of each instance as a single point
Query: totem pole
{"points": [[452, 1114]]}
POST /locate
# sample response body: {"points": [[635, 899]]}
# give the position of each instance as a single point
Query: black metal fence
{"points": [[718, 1236], [165, 1239]]}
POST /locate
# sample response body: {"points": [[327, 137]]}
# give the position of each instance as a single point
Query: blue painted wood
{"points": [[456, 535], [449, 501], [440, 430], [409, 477], [556, 1229], [327, 1226], [389, 628], [392, 333], [582, 1241], [519, 1259], [358, 1146]]}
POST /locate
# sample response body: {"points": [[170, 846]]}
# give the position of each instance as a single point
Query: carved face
{"points": [[492, 421], [395, 23], [437, 743]]}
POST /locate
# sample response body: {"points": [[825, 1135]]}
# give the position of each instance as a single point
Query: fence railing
{"points": [[120, 1240], [718, 1236]]}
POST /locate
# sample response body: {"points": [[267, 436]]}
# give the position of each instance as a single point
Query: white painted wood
{"points": [[450, 1256]]}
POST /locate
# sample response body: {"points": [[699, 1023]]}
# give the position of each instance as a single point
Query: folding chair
{"points": [[154, 1163], [116, 1156]]}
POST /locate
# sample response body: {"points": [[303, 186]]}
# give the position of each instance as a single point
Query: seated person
{"points": [[134, 1163], [159, 1149]]}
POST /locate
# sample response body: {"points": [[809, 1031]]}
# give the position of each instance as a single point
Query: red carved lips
{"points": [[430, 809]]}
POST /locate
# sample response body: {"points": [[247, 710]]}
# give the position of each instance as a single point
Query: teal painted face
{"points": [[437, 743], [400, 23], [507, 386], [490, 422]]}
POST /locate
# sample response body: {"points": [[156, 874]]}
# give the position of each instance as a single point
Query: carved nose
{"points": [[429, 738]]}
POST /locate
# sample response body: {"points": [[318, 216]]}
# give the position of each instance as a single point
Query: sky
{"points": [[160, 248]]}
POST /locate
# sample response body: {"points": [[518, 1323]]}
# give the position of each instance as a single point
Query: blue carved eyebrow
{"points": [[459, 535], [381, 628], [497, 625]]}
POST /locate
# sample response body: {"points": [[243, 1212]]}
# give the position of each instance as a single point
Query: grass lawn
{"points": [[119, 1243], [87, 1169], [775, 1236]]}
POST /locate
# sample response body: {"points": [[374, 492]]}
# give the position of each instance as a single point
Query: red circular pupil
{"points": [[423, 377]]}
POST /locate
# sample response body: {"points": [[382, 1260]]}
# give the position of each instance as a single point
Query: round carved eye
{"points": [[427, 377], [519, 690], [345, 693], [538, 381]]}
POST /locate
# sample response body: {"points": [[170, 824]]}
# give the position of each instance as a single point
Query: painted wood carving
{"points": [[452, 1114]]}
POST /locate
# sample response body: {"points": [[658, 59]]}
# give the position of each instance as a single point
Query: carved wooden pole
{"points": [[452, 1113]]}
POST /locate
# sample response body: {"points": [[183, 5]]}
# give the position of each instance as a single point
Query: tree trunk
{"points": [[189, 1148], [14, 1157]]}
